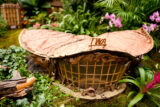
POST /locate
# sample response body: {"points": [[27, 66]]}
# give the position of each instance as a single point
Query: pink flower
{"points": [[152, 84], [149, 86], [152, 18], [152, 27], [119, 18], [156, 14], [34, 26], [54, 24], [158, 19], [117, 23], [145, 27], [113, 20], [112, 16], [107, 16], [37, 25], [158, 80]]}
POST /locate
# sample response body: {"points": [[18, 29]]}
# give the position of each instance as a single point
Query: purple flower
{"points": [[152, 18], [156, 14], [112, 16], [113, 20], [145, 27], [117, 22], [152, 27], [107, 16], [119, 25], [119, 18], [158, 19]]}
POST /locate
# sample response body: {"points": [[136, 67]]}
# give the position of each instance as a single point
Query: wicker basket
{"points": [[96, 70], [11, 13], [56, 4]]}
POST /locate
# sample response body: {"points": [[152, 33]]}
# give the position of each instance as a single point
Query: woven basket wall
{"points": [[56, 4], [11, 13], [93, 70]]}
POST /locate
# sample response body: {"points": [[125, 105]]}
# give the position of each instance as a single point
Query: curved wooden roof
{"points": [[56, 44]]}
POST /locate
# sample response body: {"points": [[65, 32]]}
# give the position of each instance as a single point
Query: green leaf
{"points": [[131, 81], [156, 102], [146, 57], [136, 99], [46, 5], [41, 99], [23, 102], [155, 95], [142, 75], [130, 94], [127, 76]]}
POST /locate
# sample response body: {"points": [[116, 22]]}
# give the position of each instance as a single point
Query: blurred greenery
{"points": [[9, 1], [10, 38], [3, 26]]}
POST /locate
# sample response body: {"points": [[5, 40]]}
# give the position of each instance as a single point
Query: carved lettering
{"points": [[98, 42]]}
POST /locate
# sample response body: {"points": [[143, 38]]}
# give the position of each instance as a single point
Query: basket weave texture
{"points": [[11, 14], [97, 70]]}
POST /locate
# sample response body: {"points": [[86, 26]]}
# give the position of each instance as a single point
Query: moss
{"points": [[10, 38], [118, 101]]}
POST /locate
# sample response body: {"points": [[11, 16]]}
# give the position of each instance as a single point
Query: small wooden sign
{"points": [[98, 42]]}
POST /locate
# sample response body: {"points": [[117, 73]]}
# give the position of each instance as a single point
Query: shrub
{"points": [[3, 26]]}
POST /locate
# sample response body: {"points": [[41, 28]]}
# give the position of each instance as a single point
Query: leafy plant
{"points": [[40, 18], [132, 12], [34, 7], [154, 27], [145, 86], [85, 17], [2, 1], [79, 17], [15, 59], [3, 26], [9, 1], [44, 93]]}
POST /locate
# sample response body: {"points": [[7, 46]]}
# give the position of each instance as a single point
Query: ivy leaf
{"points": [[23, 102], [41, 99]]}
